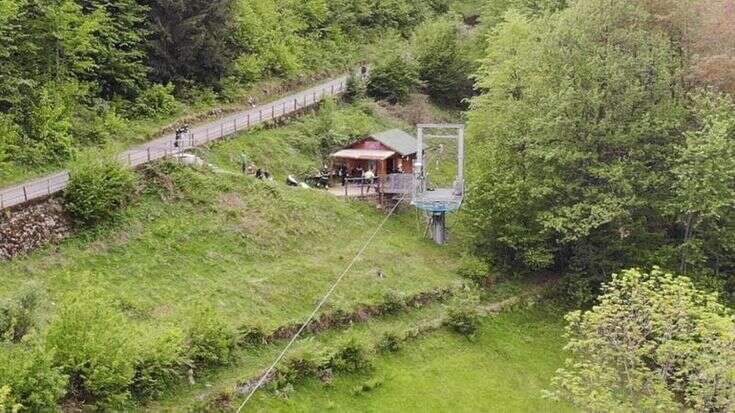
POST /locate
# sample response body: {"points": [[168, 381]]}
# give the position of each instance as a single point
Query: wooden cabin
{"points": [[389, 152]]}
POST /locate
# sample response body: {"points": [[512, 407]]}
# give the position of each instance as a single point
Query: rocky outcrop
{"points": [[24, 229]]}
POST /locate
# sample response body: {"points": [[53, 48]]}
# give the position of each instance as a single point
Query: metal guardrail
{"points": [[390, 184], [166, 145]]}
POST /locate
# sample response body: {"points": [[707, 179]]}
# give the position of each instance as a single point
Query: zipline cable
{"points": [[319, 306]]}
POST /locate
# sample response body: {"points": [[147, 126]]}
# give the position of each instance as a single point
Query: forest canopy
{"points": [[601, 142], [73, 73]]}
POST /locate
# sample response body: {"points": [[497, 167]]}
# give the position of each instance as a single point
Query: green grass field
{"points": [[260, 252], [504, 370]]}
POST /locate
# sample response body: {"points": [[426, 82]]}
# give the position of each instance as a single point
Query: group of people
{"points": [[249, 168], [362, 176]]}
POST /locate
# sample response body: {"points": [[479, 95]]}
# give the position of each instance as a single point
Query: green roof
{"points": [[397, 140]]}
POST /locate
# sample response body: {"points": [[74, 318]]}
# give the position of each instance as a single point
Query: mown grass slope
{"points": [[504, 369]]}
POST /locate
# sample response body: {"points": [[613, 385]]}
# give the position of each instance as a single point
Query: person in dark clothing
{"points": [[343, 174]]}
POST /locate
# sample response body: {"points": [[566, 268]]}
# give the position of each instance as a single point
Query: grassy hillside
{"points": [[258, 251], [261, 253], [504, 369]]}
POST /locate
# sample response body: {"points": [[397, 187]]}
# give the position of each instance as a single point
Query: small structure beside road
{"points": [[380, 165]]}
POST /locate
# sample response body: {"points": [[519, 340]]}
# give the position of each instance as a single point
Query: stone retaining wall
{"points": [[29, 227]]}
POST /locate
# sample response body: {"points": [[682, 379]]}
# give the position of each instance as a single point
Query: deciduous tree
{"points": [[652, 343]]}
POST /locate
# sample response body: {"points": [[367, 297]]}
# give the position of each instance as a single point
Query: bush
{"points": [[393, 81], [160, 365], [350, 357], [17, 316], [7, 403], [156, 102], [211, 340], [93, 346], [393, 303], [251, 336], [302, 364], [474, 269], [32, 379], [98, 125], [45, 117], [9, 135], [355, 89], [99, 187], [390, 343], [464, 320]]}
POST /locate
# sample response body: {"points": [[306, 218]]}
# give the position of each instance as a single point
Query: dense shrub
{"points": [[156, 102], [355, 89], [9, 133], [474, 269], [351, 357], [98, 189], [251, 336], [159, 365], [303, 363], [17, 315], [7, 403], [393, 303], [33, 380], [463, 319], [393, 80], [45, 119], [211, 340], [390, 342], [92, 343]]}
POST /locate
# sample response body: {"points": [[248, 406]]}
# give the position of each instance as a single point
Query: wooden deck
{"points": [[386, 185]]}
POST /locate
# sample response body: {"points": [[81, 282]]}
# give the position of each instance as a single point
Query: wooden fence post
{"points": [[25, 193], [48, 186], [2, 201], [248, 120], [149, 154], [234, 125]]}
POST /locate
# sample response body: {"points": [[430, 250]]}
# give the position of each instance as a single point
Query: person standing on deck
{"points": [[368, 178]]}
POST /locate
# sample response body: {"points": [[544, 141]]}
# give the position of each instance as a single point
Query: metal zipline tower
{"points": [[437, 202]]}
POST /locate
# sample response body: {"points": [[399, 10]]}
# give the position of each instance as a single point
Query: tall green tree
{"points": [[191, 40], [652, 343], [441, 61], [119, 58], [573, 139], [704, 189]]}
